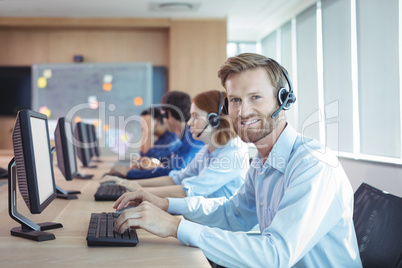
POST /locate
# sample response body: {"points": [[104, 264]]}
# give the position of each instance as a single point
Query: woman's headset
{"points": [[214, 119]]}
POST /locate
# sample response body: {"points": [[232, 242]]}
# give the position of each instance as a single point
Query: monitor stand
{"points": [[97, 160], [89, 166], [28, 229], [79, 175], [66, 194]]}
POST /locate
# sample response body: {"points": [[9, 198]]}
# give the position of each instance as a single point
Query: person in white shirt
{"points": [[300, 197]]}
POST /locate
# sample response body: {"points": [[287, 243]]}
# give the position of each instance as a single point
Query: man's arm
{"points": [[237, 213], [156, 182], [133, 185], [167, 191]]}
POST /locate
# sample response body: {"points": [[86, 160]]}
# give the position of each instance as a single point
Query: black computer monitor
{"points": [[82, 144], [96, 147], [63, 137], [65, 152], [94, 144], [32, 164]]}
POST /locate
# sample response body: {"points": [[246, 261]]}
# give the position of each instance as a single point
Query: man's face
{"points": [[251, 104]]}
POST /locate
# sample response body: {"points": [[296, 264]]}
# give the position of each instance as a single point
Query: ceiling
{"points": [[248, 20]]}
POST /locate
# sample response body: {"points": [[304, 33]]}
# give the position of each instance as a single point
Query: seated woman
{"points": [[217, 170]]}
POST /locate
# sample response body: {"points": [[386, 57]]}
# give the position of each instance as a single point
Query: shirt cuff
{"points": [[177, 206], [188, 233]]}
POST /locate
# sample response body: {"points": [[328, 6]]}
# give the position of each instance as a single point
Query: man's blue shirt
{"points": [[300, 197], [164, 147]]}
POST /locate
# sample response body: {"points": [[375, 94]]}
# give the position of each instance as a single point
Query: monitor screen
{"points": [[63, 136], [43, 164], [33, 160]]}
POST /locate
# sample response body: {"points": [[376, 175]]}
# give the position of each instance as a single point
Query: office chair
{"points": [[377, 219]]}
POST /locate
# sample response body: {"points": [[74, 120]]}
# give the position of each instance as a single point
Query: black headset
{"points": [[284, 97], [214, 119]]}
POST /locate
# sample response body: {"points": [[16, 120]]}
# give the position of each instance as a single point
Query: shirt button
{"points": [[187, 244], [262, 204]]}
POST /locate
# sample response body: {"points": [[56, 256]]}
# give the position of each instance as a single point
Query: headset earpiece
{"points": [[282, 96], [214, 120], [225, 107]]}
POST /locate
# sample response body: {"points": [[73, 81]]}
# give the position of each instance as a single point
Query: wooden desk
{"points": [[70, 246]]}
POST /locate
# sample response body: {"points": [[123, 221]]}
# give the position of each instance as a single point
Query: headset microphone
{"points": [[290, 98], [199, 134]]}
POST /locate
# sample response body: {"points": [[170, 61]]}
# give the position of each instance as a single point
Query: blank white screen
{"points": [[43, 163]]}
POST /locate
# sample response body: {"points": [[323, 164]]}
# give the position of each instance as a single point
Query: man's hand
{"points": [[139, 196], [110, 178], [150, 218], [131, 186]]}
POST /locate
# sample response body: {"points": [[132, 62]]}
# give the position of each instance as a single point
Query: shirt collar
{"points": [[279, 156]]}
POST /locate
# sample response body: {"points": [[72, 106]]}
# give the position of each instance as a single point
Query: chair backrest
{"points": [[377, 219]]}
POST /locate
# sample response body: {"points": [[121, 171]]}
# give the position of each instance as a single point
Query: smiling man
{"points": [[303, 205]]}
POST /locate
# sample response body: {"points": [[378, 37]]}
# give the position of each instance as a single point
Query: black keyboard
{"points": [[100, 232], [109, 192]]}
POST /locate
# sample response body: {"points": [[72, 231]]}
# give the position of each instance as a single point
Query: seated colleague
{"points": [[301, 197], [217, 170], [166, 142], [176, 113]]}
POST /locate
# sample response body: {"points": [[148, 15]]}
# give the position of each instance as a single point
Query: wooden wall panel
{"points": [[23, 46], [29, 46], [197, 50]]}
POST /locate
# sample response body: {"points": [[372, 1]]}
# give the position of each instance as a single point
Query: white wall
{"points": [[387, 177]]}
